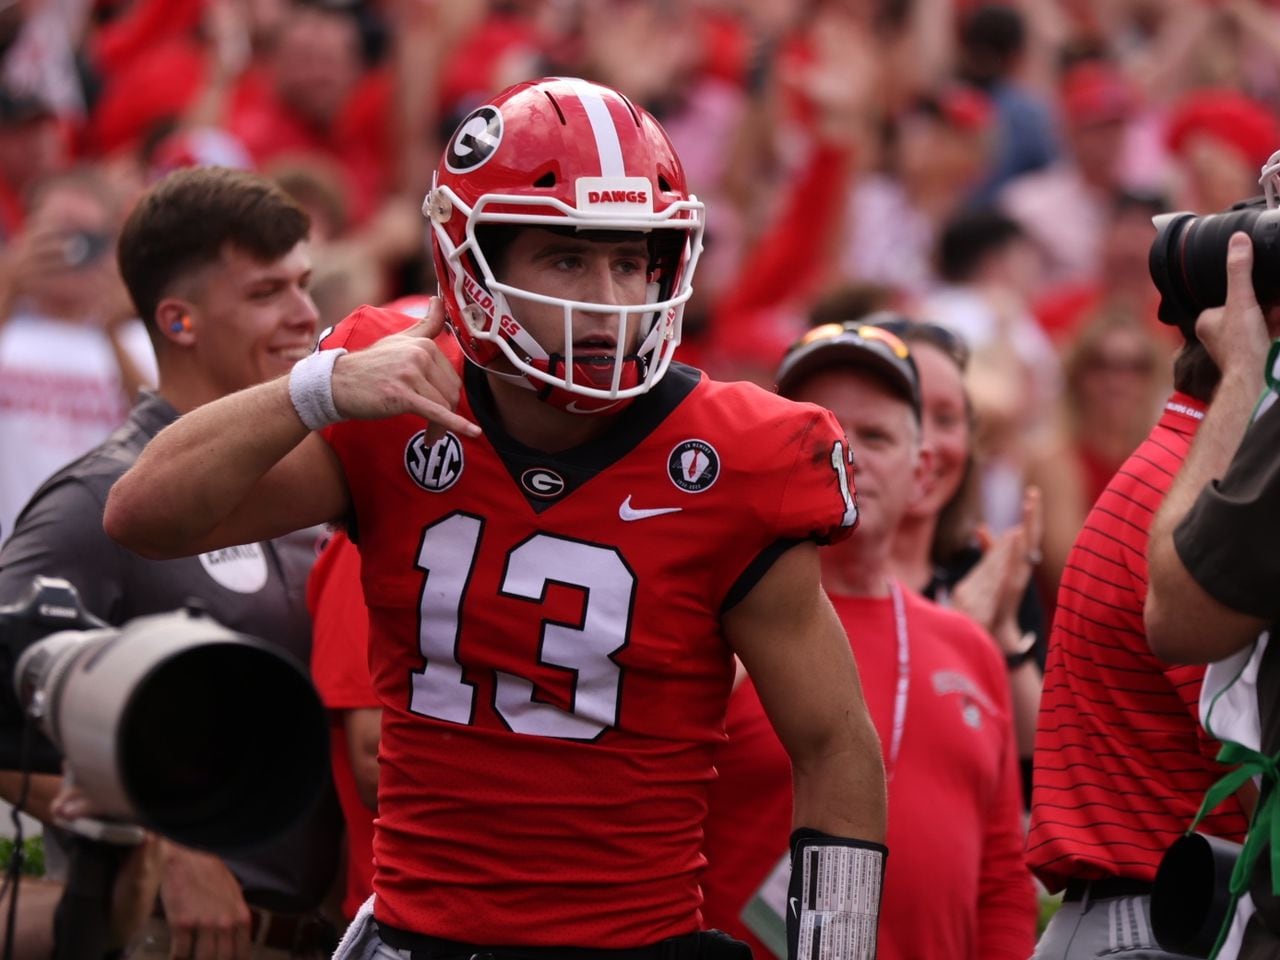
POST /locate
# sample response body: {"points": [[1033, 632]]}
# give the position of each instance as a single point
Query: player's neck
{"points": [[912, 544], [540, 425], [857, 568]]}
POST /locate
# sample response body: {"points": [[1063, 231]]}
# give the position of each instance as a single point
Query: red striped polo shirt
{"points": [[1121, 763]]}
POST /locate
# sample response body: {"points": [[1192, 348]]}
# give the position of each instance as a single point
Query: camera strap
{"points": [[1264, 828]]}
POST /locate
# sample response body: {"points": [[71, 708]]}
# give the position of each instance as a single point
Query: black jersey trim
{"points": [[579, 464], [756, 570]]}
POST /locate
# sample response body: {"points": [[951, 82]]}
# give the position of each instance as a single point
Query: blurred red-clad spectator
{"points": [[315, 95], [1064, 208], [496, 47], [33, 143], [1221, 138], [340, 671], [1123, 288], [938, 150], [1116, 376]]}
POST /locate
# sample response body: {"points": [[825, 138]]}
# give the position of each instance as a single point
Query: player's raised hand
{"points": [[403, 373]]}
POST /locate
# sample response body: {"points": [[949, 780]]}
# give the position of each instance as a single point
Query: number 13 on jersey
{"points": [[447, 557]]}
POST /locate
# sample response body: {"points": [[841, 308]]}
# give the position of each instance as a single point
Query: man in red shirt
{"points": [[1121, 763], [936, 687], [564, 539], [340, 672]]}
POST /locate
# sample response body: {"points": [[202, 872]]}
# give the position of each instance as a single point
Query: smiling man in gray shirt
{"points": [[217, 264]]}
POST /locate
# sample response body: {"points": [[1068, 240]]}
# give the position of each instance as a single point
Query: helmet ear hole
{"points": [[546, 181]]}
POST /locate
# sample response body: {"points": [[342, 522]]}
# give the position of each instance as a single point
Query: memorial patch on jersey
{"points": [[693, 465], [434, 467], [542, 483]]}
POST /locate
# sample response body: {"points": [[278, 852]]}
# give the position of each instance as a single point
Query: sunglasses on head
{"points": [[871, 334], [934, 334]]}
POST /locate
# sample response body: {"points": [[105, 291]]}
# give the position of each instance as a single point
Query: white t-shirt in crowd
{"points": [[60, 395]]}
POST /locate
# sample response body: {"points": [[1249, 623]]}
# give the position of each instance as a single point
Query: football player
{"points": [[565, 538]]}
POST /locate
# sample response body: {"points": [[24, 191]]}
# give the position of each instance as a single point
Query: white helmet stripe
{"points": [[607, 143]]}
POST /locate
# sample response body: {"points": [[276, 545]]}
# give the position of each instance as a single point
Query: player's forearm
{"points": [[842, 792], [195, 472]]}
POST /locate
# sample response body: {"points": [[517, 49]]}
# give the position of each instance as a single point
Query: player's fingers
{"points": [[431, 324], [441, 376], [442, 418]]}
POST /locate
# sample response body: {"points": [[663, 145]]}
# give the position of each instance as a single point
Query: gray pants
{"points": [[1113, 927]]}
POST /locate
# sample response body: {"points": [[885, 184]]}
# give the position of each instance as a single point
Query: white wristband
{"points": [[311, 389]]}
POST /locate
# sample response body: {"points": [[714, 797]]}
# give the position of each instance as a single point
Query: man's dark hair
{"points": [[992, 38], [185, 221], [1194, 372], [970, 237]]}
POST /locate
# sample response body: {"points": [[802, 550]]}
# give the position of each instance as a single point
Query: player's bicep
{"points": [[792, 644], [305, 488]]}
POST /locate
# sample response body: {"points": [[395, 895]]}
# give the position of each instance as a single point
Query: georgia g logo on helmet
{"points": [[564, 154], [475, 140]]}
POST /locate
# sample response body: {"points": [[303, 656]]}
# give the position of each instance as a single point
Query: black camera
{"points": [[170, 721], [1188, 259]]}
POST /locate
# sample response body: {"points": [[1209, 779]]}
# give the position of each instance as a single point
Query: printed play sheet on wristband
{"points": [[840, 900]]}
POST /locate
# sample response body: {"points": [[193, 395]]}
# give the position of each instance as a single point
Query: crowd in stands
{"points": [[993, 167], [990, 169]]}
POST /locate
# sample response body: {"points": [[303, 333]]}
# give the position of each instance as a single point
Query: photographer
{"points": [[1213, 562], [217, 264]]}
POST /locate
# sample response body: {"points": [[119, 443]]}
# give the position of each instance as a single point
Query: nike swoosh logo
{"points": [[572, 407], [795, 912], [628, 512]]}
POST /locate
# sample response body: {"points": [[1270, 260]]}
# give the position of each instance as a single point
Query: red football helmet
{"points": [[564, 153]]}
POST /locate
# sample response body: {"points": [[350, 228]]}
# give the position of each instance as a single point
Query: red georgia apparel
{"points": [[545, 642]]}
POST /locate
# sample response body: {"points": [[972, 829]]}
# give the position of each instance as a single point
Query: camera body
{"points": [[50, 606], [170, 721], [1188, 258]]}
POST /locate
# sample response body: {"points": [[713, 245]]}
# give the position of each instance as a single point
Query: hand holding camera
{"points": [[1219, 275], [1235, 334]]}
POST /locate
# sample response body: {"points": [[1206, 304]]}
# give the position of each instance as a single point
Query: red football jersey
{"points": [[546, 644]]}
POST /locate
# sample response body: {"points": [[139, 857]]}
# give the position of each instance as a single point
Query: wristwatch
{"points": [[1026, 650]]}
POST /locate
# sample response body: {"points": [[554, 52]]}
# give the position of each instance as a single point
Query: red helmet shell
{"points": [[562, 152]]}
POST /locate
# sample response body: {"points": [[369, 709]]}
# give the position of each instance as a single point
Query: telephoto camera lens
{"points": [[1188, 259]]}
